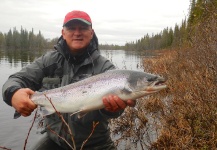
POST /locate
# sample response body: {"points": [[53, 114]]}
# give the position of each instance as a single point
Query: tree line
{"points": [[180, 35], [167, 38], [170, 37], [24, 39]]}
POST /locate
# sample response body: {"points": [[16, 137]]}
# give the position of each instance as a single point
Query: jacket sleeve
{"points": [[30, 76], [103, 65]]}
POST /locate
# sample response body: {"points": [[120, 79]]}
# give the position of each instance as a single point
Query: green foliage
{"points": [[165, 39], [23, 39], [9, 38], [2, 40], [110, 47]]}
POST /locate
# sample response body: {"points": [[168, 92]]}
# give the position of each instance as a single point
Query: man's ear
{"points": [[92, 33], [63, 33]]}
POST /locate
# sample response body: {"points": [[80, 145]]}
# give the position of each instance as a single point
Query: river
{"points": [[13, 132]]}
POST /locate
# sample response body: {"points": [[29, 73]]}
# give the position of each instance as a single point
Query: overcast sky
{"points": [[114, 21]]}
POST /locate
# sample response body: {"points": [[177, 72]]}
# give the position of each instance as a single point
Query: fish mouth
{"points": [[157, 85], [162, 82]]}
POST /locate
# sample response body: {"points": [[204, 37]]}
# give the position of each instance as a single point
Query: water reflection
{"points": [[125, 59], [122, 59], [19, 57]]}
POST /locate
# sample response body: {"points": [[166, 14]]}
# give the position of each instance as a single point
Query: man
{"points": [[76, 57]]}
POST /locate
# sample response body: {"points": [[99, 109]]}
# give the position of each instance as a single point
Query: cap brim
{"points": [[80, 19]]}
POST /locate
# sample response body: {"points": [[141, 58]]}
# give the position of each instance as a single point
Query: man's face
{"points": [[77, 35]]}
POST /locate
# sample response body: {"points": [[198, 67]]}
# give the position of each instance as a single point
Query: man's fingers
{"points": [[22, 103], [32, 105], [113, 103], [25, 109], [25, 114], [121, 104], [106, 103], [131, 103], [110, 103], [29, 91]]}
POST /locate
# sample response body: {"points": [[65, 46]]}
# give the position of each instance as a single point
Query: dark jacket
{"points": [[58, 68]]}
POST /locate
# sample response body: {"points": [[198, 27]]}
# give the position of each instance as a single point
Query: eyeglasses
{"points": [[78, 28]]}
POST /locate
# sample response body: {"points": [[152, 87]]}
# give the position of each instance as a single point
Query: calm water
{"points": [[13, 132]]}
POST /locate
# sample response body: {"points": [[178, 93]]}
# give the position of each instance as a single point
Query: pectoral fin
{"points": [[127, 90], [81, 113]]}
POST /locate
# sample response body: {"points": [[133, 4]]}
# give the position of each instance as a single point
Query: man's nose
{"points": [[77, 30]]}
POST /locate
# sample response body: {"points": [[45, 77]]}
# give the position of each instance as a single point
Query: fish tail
{"points": [[16, 115]]}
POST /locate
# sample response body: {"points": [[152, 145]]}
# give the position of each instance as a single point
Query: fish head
{"points": [[142, 83]]}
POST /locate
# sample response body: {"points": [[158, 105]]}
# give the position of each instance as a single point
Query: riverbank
{"points": [[186, 110], [191, 120]]}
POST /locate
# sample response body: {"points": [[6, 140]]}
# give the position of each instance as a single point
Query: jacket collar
{"points": [[90, 54]]}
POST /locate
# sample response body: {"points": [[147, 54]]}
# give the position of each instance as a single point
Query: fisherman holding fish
{"points": [[76, 57]]}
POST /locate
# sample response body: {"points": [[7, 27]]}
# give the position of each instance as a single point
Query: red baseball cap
{"points": [[77, 15]]}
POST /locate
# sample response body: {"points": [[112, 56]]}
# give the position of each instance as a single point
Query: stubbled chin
{"points": [[77, 43], [77, 46]]}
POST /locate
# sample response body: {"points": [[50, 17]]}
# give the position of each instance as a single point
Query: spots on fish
{"points": [[64, 92], [84, 92]]}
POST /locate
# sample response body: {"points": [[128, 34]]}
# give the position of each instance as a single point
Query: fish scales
{"points": [[86, 95]]}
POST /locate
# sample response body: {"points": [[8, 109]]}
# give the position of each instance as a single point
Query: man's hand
{"points": [[113, 103], [21, 102]]}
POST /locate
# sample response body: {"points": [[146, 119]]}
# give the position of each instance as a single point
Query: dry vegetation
{"points": [[190, 119], [185, 115]]}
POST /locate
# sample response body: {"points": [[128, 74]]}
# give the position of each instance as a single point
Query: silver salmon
{"points": [[86, 95]]}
